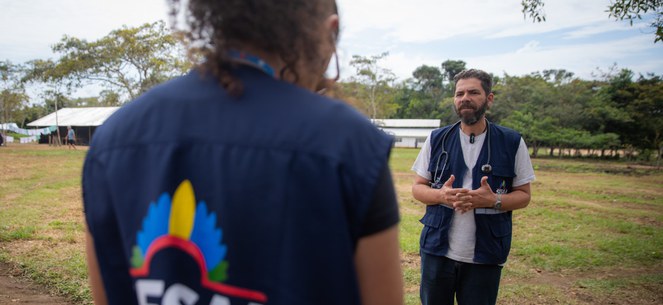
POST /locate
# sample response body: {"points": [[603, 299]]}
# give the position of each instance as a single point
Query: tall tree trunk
{"points": [[57, 125]]}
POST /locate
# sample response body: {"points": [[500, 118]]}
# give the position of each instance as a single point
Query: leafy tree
{"points": [[602, 113], [377, 85], [347, 92], [109, 98], [58, 84], [12, 92], [568, 102], [535, 132], [128, 60], [605, 141], [451, 68], [617, 93], [557, 77], [647, 111], [534, 9], [551, 108], [12, 103], [528, 94], [619, 9], [429, 80], [404, 94], [31, 113], [419, 97], [426, 94]]}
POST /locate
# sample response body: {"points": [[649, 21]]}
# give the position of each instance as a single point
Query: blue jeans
{"points": [[472, 284]]}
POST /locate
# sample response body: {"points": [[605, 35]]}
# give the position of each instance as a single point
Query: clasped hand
{"points": [[463, 200]]}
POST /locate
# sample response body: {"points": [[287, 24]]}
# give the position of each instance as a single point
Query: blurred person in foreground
{"points": [[238, 183], [471, 175]]}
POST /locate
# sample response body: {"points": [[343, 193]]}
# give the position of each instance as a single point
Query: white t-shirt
{"points": [[462, 234]]}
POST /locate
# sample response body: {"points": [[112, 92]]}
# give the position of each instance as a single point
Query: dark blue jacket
{"points": [[493, 228], [190, 192]]}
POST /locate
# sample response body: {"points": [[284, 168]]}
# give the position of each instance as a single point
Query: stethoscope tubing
{"points": [[486, 168]]}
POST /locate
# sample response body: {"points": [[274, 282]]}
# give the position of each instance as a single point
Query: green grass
{"points": [[41, 227], [592, 234], [402, 158], [584, 239], [8, 233], [608, 285], [410, 228], [585, 217]]}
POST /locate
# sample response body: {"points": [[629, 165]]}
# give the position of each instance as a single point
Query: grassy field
{"points": [[593, 233]]}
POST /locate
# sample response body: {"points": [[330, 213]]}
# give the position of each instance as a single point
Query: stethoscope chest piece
{"points": [[486, 168]]}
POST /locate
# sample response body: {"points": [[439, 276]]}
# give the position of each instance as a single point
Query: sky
{"points": [[578, 36]]}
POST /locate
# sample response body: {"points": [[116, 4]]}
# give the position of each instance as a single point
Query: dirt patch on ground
{"points": [[628, 288], [17, 290]]}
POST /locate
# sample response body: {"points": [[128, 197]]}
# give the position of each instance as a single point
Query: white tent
{"points": [[83, 120], [81, 117]]}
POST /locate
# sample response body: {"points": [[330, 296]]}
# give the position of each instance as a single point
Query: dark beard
{"points": [[472, 118]]}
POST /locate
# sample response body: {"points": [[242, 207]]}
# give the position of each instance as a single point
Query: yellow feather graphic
{"points": [[182, 211]]}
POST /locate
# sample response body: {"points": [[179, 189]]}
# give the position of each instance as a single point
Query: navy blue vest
{"points": [[190, 193], [493, 228]]}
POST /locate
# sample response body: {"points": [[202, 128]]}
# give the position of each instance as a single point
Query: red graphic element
{"points": [[190, 248]]}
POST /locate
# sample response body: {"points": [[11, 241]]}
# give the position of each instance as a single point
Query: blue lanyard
{"points": [[253, 61]]}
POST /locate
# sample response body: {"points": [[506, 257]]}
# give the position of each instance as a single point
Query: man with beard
{"points": [[471, 175]]}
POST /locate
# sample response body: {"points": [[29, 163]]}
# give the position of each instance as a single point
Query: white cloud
{"points": [[421, 32], [426, 20], [529, 47], [35, 25], [602, 27], [581, 59]]}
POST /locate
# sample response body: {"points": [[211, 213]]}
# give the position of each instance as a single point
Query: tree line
{"points": [[552, 108], [125, 63], [616, 112]]}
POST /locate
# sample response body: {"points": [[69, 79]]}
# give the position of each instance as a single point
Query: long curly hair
{"points": [[287, 29]]}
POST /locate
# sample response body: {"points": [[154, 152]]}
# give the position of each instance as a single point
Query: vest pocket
{"points": [[501, 231], [432, 218], [501, 227], [502, 179], [436, 226]]}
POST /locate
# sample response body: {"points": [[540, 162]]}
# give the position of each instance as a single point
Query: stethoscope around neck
{"points": [[486, 168]]}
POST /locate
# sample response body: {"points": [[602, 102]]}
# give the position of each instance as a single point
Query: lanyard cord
{"points": [[252, 60]]}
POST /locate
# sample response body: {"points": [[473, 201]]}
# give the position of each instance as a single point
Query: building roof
{"points": [[410, 123], [409, 132], [86, 116]]}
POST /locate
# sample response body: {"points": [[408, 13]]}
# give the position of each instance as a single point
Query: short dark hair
{"points": [[485, 78]]}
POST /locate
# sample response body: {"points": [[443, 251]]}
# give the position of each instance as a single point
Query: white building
{"points": [[83, 120], [408, 133]]}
